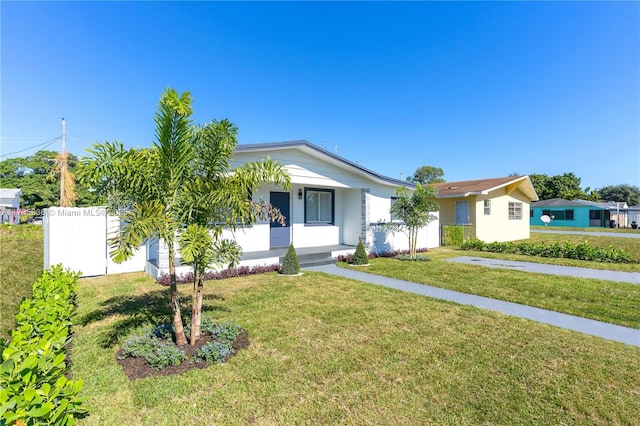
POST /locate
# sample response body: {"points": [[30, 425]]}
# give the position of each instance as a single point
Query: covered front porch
{"points": [[308, 256]]}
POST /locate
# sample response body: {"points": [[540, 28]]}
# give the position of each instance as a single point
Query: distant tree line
{"points": [[39, 179]]}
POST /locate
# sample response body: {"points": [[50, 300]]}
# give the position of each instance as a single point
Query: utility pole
{"points": [[63, 161]]}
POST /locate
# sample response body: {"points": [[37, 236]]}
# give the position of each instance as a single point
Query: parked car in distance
{"points": [[35, 220]]}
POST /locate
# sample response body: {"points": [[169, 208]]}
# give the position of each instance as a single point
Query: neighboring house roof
{"points": [[10, 192], [317, 152], [8, 197], [466, 188], [611, 205], [556, 202]]}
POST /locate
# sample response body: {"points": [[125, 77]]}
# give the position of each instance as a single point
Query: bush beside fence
{"points": [[34, 388]]}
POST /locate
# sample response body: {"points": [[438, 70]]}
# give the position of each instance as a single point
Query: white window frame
{"points": [[320, 192], [515, 211], [487, 207]]}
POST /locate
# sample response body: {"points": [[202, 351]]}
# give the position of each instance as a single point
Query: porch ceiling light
{"points": [[299, 193]]}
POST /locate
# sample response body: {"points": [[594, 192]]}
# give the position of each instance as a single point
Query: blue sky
{"points": [[479, 89]]}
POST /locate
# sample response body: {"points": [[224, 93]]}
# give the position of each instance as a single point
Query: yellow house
{"points": [[496, 209]]}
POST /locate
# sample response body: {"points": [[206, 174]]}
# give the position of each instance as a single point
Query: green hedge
{"points": [[33, 387], [568, 250]]}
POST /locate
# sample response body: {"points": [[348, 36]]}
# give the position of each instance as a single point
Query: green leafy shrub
{"points": [[453, 235], [155, 343], [568, 250], [33, 386], [291, 264], [360, 257], [213, 352]]}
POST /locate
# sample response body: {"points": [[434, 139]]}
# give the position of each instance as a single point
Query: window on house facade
{"points": [[318, 206], [393, 217], [487, 207], [531, 213], [515, 211], [568, 215]]}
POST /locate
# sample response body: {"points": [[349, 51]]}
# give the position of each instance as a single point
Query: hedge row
{"points": [[33, 387], [567, 250]]}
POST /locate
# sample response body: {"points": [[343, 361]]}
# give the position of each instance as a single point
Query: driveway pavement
{"points": [[627, 335], [542, 268], [635, 234]]}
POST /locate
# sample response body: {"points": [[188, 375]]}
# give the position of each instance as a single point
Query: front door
{"points": [[280, 235], [462, 212]]}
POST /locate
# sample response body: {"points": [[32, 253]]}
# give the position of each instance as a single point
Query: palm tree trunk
{"points": [[196, 318], [178, 327]]}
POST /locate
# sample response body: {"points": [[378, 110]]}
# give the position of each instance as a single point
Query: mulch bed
{"points": [[137, 368]]}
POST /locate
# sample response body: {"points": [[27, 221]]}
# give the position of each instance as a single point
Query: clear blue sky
{"points": [[479, 89]]}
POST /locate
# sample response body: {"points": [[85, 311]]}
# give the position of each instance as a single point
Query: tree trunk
{"points": [[178, 327], [196, 318]]}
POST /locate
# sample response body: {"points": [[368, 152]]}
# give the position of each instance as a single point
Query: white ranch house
{"points": [[331, 203]]}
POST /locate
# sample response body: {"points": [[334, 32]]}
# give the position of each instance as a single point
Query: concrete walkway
{"points": [[635, 234], [605, 330], [543, 268]]}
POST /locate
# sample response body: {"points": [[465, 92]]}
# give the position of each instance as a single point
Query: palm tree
{"points": [[183, 179]]}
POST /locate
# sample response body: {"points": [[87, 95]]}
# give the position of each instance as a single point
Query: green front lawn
{"points": [[21, 263], [326, 350], [617, 303]]}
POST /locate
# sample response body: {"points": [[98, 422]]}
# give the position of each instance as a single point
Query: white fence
{"points": [[76, 237]]}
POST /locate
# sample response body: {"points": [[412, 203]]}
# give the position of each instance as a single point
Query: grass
{"points": [[326, 350], [613, 302], [21, 263]]}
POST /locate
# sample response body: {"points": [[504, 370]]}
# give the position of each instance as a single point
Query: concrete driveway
{"points": [[543, 268], [635, 234]]}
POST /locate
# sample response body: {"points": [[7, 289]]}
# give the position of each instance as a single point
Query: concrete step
{"points": [[315, 259]]}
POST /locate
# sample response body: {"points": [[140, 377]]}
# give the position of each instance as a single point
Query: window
{"points": [[318, 206], [595, 214], [531, 213], [393, 218], [487, 207], [546, 212], [568, 215], [515, 211], [558, 215]]}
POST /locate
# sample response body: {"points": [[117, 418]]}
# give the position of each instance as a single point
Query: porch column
{"points": [[364, 215]]}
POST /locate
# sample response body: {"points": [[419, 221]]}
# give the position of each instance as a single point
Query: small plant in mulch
{"points": [[418, 258], [291, 264], [360, 257], [151, 351]]}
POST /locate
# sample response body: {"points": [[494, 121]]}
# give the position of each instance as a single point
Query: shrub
{"points": [[568, 250], [213, 352], [360, 257], [291, 264], [222, 274], [154, 344], [33, 385]]}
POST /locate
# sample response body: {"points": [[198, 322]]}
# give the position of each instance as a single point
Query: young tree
{"points": [[427, 174], [184, 179], [414, 210]]}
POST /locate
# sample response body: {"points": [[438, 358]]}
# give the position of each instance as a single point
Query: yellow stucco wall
{"points": [[496, 226]]}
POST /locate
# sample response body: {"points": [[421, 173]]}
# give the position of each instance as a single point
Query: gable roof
{"points": [[466, 188], [10, 192], [557, 202], [323, 154]]}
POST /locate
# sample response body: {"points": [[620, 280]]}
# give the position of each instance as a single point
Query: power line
{"points": [[46, 144]]}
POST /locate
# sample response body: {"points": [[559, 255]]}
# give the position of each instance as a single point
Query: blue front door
{"points": [[280, 235]]}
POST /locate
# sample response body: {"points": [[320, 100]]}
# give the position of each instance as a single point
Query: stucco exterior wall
{"points": [[495, 226], [580, 217]]}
